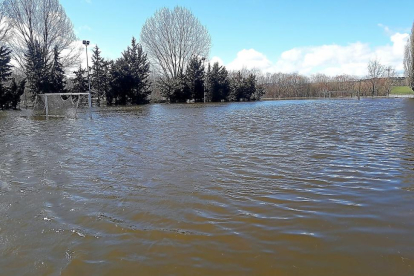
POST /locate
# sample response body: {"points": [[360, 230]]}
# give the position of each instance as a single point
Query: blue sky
{"points": [[331, 37]]}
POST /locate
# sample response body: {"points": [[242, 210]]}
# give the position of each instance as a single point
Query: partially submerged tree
{"points": [[175, 89], [37, 67], [237, 87], [409, 59], [57, 75], [172, 38], [5, 73], [130, 77], [218, 83], [244, 87], [389, 76], [15, 92], [195, 78], [98, 74], [80, 82], [375, 72], [10, 90]]}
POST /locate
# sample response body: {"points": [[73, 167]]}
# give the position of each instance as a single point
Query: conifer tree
{"points": [[237, 87], [80, 82], [5, 73], [57, 75], [15, 92], [139, 65], [5, 66], [249, 84], [98, 75], [245, 88], [218, 84], [195, 79], [108, 64], [130, 76], [37, 69], [175, 89]]}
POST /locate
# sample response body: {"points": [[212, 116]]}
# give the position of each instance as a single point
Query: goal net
{"points": [[61, 104]]}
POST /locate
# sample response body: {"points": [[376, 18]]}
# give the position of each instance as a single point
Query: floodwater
{"points": [[322, 187]]}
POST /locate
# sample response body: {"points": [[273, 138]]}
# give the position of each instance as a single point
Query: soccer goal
{"points": [[61, 104]]}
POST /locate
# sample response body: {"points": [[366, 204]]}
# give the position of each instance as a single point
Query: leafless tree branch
{"points": [[375, 71], [4, 25], [171, 38], [44, 21], [409, 59]]}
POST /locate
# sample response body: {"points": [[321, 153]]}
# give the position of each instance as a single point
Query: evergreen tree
{"points": [[5, 73], [249, 84], [107, 67], [139, 65], [258, 94], [37, 69], [5, 66], [99, 75], [195, 79], [176, 90], [244, 88], [80, 82], [120, 82], [218, 84], [15, 92], [130, 77], [237, 87], [57, 75]]}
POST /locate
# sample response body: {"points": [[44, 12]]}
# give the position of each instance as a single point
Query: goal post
{"points": [[61, 104]]}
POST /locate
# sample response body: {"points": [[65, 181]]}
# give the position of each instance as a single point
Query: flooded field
{"points": [[268, 188]]}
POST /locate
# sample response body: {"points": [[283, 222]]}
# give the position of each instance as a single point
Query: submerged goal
{"points": [[61, 104]]}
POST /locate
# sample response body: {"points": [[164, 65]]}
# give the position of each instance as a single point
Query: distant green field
{"points": [[402, 90]]}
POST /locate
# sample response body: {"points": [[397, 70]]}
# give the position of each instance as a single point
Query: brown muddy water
{"points": [[268, 188]]}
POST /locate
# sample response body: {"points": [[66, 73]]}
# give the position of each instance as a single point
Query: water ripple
{"points": [[269, 188]]}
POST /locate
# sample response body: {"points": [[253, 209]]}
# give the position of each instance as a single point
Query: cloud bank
{"points": [[332, 59]]}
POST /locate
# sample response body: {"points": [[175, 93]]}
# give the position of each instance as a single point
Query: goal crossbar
{"points": [[65, 94]]}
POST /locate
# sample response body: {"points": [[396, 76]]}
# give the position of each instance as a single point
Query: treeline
{"points": [[127, 80], [42, 75], [36, 41], [293, 85], [44, 48], [123, 81], [210, 83]]}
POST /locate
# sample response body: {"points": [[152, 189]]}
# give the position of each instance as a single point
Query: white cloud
{"points": [[329, 59], [216, 59], [250, 59]]}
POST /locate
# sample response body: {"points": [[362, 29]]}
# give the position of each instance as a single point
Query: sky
{"points": [[307, 37]]}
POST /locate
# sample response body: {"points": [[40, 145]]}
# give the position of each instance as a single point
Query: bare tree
{"points": [[322, 82], [4, 24], [172, 38], [44, 22], [409, 59], [389, 74], [375, 72]]}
